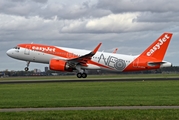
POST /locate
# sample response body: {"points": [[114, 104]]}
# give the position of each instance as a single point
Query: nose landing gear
{"points": [[27, 68]]}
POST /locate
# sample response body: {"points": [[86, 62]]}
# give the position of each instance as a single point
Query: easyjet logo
{"points": [[157, 46], [44, 49]]}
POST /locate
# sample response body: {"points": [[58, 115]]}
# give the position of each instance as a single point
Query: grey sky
{"points": [[129, 25]]}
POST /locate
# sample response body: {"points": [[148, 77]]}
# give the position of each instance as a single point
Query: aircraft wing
{"points": [[84, 59]]}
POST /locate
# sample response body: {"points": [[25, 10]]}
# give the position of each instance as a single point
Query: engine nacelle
{"points": [[59, 65]]}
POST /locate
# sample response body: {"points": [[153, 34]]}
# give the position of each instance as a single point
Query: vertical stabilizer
{"points": [[158, 48]]}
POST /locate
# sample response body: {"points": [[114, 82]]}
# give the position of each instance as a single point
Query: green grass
{"points": [[89, 94], [93, 115]]}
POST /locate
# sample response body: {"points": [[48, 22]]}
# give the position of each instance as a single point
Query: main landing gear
{"points": [[81, 75], [81, 72], [27, 68]]}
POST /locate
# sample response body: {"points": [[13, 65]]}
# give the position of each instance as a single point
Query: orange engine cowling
{"points": [[59, 65]]}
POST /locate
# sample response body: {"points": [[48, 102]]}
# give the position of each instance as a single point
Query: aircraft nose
{"points": [[9, 52]]}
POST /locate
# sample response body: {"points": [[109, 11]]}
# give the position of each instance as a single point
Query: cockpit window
{"points": [[17, 47]]}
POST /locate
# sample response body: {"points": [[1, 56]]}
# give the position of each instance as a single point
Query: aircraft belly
{"points": [[91, 66]]}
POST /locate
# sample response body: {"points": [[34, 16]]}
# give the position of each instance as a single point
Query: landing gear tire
{"points": [[84, 75], [26, 68], [81, 75]]}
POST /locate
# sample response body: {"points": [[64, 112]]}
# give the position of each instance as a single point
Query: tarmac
{"points": [[89, 108], [86, 80]]}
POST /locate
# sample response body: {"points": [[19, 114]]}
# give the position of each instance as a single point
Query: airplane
{"points": [[70, 59]]}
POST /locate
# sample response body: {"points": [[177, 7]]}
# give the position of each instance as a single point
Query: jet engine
{"points": [[59, 65]]}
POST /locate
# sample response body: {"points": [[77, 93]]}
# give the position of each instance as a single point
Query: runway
{"points": [[89, 108], [86, 80]]}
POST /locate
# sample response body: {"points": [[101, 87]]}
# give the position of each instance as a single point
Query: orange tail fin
{"points": [[158, 48]]}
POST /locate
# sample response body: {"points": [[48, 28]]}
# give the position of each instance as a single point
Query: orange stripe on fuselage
{"points": [[52, 50]]}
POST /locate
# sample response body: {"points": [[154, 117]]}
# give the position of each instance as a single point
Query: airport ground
{"points": [[92, 94]]}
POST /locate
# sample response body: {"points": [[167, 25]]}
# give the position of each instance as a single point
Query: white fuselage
{"points": [[103, 58]]}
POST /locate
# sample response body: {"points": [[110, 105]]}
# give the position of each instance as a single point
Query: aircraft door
{"points": [[27, 50], [136, 62]]}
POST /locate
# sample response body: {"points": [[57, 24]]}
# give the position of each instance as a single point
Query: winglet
{"points": [[97, 48], [115, 50]]}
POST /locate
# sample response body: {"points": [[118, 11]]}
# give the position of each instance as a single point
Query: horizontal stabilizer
{"points": [[162, 64]]}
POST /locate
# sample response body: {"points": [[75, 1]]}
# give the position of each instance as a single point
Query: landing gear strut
{"points": [[27, 68], [81, 72]]}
